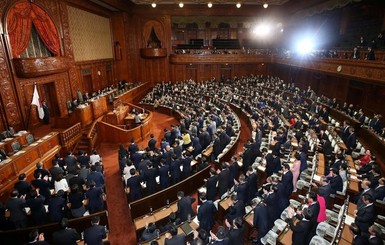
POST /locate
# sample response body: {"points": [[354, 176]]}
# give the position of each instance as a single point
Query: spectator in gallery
{"points": [[370, 55], [356, 54], [362, 43], [46, 113]]}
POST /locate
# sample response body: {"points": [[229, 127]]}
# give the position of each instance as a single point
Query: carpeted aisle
{"points": [[122, 230]]}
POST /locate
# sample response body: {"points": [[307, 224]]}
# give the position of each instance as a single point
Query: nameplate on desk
{"points": [[19, 153], [46, 137], [7, 139], [33, 144], [6, 161]]}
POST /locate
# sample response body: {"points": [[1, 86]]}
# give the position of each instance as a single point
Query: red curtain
{"points": [[19, 24]]}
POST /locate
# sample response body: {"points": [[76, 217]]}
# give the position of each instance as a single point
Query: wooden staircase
{"points": [[84, 143]]}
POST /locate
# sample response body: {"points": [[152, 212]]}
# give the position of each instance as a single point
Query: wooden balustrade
{"points": [[70, 136]]}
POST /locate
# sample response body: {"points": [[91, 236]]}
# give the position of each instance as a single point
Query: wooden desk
{"points": [[25, 161], [117, 116], [285, 238], [160, 214], [83, 114], [99, 106], [162, 237], [6, 144]]}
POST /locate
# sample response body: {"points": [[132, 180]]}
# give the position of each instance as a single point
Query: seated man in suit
{"points": [[173, 238]]}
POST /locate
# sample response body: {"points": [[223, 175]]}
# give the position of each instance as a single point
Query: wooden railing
{"points": [[92, 135], [20, 236], [70, 136]]}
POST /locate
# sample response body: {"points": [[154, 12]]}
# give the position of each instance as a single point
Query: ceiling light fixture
{"points": [[181, 5], [238, 5], [153, 5], [265, 5], [209, 5]]}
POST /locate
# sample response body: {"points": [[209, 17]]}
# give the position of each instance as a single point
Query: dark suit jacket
{"points": [[365, 217], [135, 187], [242, 193], [184, 208], [95, 200], [235, 211], [324, 191], [16, 208], [252, 186], [150, 178], [223, 181], [151, 144], [211, 186], [164, 178], [235, 236], [71, 163], [175, 240], [56, 207], [67, 236], [379, 193], [94, 235], [300, 232], [260, 220], [23, 187], [206, 214], [336, 184], [287, 183]]}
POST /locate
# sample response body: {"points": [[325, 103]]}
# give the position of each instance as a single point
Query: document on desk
{"points": [[186, 228], [317, 178], [349, 220]]}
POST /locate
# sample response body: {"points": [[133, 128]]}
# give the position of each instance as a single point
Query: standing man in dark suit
{"points": [[351, 141], [164, 174], [152, 143], [95, 198], [133, 183], [365, 215], [336, 183], [16, 206], [223, 180], [23, 186], [260, 219], [133, 147], [184, 206], [56, 206], [235, 233], [301, 229], [95, 234], [65, 236], [365, 186], [150, 178], [206, 213], [211, 185], [241, 188], [252, 183], [287, 180], [379, 190], [236, 209], [70, 162]]}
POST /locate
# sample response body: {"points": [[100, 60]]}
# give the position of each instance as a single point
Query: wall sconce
{"points": [[181, 5], [153, 5], [209, 5], [238, 5], [265, 5]]}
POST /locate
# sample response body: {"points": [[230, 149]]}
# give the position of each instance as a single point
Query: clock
{"points": [[339, 68]]}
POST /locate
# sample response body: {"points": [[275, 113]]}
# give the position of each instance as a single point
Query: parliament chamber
{"points": [[178, 122]]}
